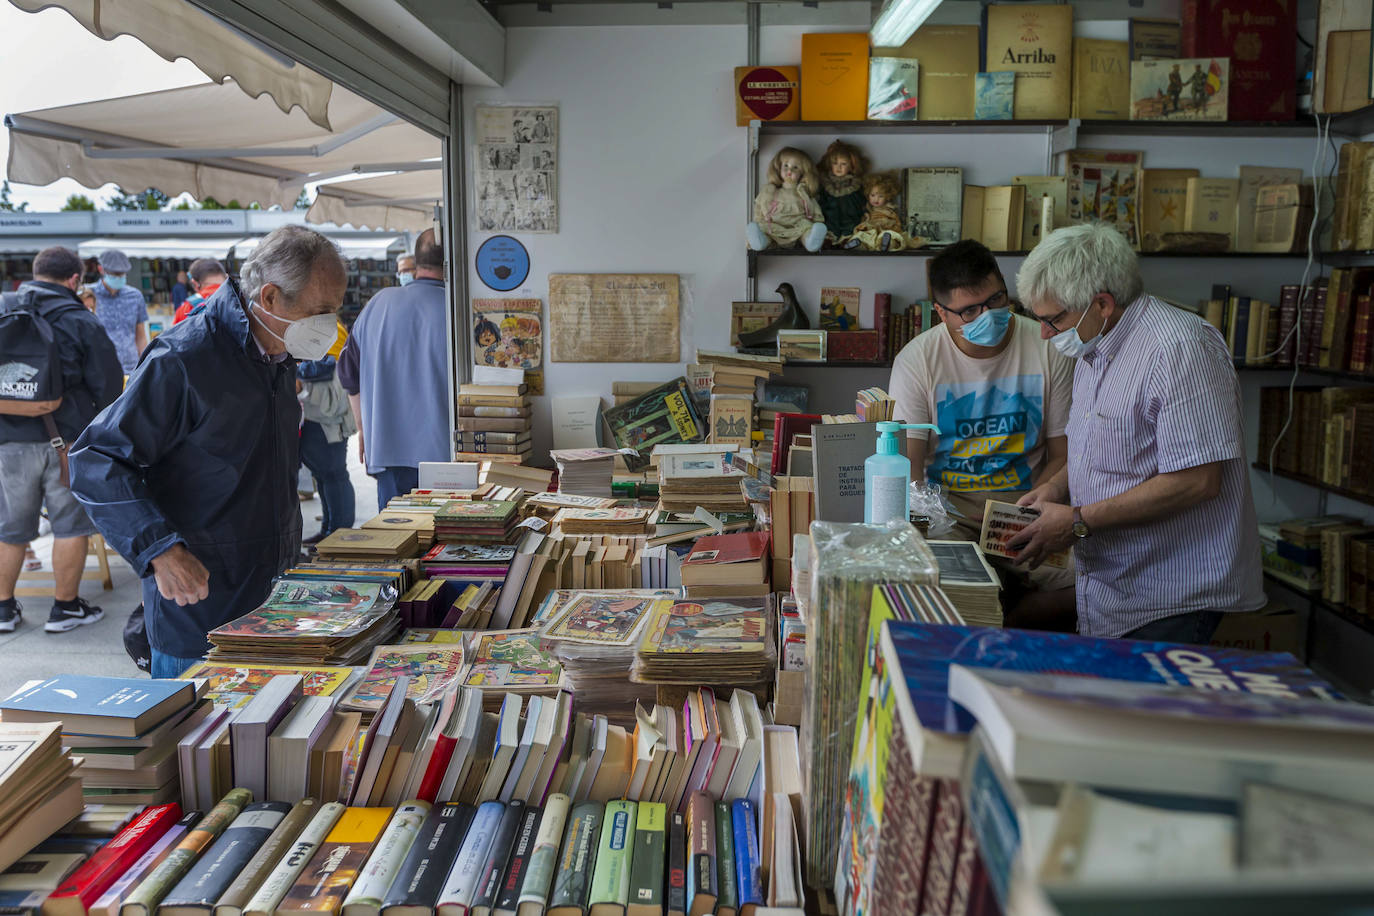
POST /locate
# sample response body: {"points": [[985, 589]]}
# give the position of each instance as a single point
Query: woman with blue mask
{"points": [[1000, 396]]}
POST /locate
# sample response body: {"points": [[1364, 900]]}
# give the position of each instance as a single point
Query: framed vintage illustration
{"points": [[802, 346]]}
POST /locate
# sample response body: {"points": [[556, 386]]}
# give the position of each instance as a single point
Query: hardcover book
{"points": [[767, 94], [894, 88], [534, 890], [1163, 202], [331, 871], [1189, 89], [577, 860], [1035, 41], [994, 95], [1256, 36], [727, 898], [834, 76], [202, 886], [144, 899], [1210, 206], [647, 872], [420, 879], [948, 55], [610, 888], [299, 854], [702, 886], [933, 199], [676, 891], [1101, 79], [116, 707], [384, 862], [265, 859], [511, 881]]}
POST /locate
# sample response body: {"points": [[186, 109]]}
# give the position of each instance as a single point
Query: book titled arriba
{"points": [[767, 94], [1036, 43]]}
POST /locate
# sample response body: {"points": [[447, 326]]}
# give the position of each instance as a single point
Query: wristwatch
{"points": [[1080, 527]]}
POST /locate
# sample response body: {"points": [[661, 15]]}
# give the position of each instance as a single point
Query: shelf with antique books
{"points": [[1344, 492]]}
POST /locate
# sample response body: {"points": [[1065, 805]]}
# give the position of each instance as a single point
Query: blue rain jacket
{"points": [[201, 449]]}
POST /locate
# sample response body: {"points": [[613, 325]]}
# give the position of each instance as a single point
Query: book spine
{"points": [[387, 855], [745, 825], [421, 876], [332, 870], [578, 859], [611, 878], [461, 884], [247, 881], [274, 888], [646, 862], [701, 850], [1191, 21], [145, 898], [206, 882], [494, 868], [544, 858], [1288, 316], [466, 411], [93, 878], [677, 864], [882, 308], [1359, 348], [436, 768], [508, 899], [482, 436], [495, 448], [108, 904], [727, 897]]}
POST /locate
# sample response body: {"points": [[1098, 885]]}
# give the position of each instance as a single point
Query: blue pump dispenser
{"points": [[887, 475]]}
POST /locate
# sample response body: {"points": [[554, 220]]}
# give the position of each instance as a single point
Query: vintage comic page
{"points": [[507, 333], [613, 318], [515, 172]]}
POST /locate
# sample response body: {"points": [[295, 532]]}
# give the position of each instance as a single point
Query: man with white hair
{"points": [[1155, 497], [191, 473]]}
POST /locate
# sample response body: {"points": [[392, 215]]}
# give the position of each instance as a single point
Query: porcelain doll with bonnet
{"points": [[785, 210]]}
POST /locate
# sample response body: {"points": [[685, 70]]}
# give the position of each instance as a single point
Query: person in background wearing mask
{"points": [[180, 290], [1000, 396], [405, 269], [1155, 496], [324, 438], [402, 416], [191, 474], [207, 276], [121, 309]]}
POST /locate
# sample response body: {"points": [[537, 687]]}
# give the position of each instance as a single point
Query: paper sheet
{"points": [[613, 318]]}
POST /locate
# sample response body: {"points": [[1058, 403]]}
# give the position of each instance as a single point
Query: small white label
{"points": [[889, 499]]}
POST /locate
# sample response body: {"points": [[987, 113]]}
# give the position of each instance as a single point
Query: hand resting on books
{"points": [[180, 576], [1049, 534]]}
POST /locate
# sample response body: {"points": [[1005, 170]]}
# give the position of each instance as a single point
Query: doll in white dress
{"points": [[785, 210]]}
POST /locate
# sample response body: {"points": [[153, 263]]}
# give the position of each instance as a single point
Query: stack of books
{"points": [[468, 563], [426, 604], [585, 471], [970, 582], [126, 730], [706, 480], [374, 544], [510, 661], [477, 522], [39, 786], [738, 373], [675, 527], [311, 622], [546, 505], [874, 404], [727, 565], [494, 423], [711, 641], [616, 520], [419, 519]]}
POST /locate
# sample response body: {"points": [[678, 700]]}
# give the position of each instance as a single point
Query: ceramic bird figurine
{"points": [[792, 317]]}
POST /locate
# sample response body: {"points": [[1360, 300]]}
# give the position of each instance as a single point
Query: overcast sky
{"points": [[50, 60]]}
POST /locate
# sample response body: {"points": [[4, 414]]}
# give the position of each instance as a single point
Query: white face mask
{"points": [[308, 338], [1071, 345]]}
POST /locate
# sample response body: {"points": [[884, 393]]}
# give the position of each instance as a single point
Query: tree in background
{"points": [[149, 199], [304, 200], [78, 202], [8, 205]]}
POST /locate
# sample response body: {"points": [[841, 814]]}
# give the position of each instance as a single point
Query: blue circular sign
{"points": [[503, 264]]}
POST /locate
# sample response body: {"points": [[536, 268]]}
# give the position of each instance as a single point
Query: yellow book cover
{"points": [[1036, 43], [1101, 79], [834, 76], [972, 224], [767, 94], [324, 884], [1003, 210], [1210, 206], [1037, 188], [948, 56], [1163, 198]]}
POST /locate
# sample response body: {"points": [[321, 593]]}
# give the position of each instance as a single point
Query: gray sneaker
{"points": [[60, 619]]}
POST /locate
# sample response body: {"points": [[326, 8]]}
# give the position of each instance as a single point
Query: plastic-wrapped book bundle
{"points": [[847, 561]]}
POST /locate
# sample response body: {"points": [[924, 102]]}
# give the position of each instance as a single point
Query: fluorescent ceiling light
{"points": [[900, 18]]}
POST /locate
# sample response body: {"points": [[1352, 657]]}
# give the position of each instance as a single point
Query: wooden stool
{"points": [[95, 545]]}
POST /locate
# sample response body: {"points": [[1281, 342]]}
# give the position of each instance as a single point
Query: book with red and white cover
{"points": [[739, 558], [87, 883]]}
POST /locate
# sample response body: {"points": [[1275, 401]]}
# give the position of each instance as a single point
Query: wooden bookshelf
{"points": [[1366, 498]]}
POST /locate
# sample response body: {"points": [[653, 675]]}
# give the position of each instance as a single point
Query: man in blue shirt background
{"points": [[121, 309], [395, 370]]}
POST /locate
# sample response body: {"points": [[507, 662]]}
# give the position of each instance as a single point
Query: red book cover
{"points": [[882, 308], [88, 882], [1191, 40], [719, 549], [435, 769], [852, 346], [1288, 316], [945, 835], [1359, 349], [786, 426], [1259, 36]]}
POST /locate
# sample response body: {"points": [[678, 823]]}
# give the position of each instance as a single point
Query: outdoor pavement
{"points": [[30, 654]]}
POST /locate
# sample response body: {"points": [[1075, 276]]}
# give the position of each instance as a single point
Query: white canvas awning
{"points": [[212, 140], [175, 28], [350, 247], [184, 247], [400, 202]]}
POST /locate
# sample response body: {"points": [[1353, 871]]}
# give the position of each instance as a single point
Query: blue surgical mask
{"points": [[1071, 345], [406, 277], [115, 283], [988, 329]]}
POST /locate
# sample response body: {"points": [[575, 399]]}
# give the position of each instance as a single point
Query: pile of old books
{"points": [[369, 544], [727, 565], [39, 788], [469, 563], [709, 641], [477, 522], [494, 423], [311, 622], [617, 520], [419, 519], [738, 373], [969, 581], [585, 471], [706, 480]]}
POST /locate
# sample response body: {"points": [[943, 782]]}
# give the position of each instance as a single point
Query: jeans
{"points": [[1194, 628], [170, 666], [394, 481], [328, 462]]}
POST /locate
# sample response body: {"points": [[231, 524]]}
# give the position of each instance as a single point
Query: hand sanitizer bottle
{"points": [[887, 476]]}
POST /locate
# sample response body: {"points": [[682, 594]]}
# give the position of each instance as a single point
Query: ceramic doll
{"points": [[842, 171], [881, 229], [785, 210]]}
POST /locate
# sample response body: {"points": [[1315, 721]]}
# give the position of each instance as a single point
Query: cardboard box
{"points": [[1274, 628]]}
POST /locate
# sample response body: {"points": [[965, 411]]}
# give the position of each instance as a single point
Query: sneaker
{"points": [[61, 619], [10, 614]]}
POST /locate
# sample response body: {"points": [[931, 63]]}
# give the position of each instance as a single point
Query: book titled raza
{"points": [[1001, 522]]}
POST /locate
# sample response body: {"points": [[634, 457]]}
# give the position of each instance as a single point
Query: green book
{"points": [[727, 898], [534, 890], [611, 880], [149, 893], [572, 881], [647, 860]]}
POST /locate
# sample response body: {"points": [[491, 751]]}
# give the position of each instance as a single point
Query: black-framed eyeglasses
{"points": [[1052, 323], [997, 300]]}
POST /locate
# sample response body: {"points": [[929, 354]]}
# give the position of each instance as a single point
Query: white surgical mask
{"points": [[308, 338], [1071, 345], [406, 277]]}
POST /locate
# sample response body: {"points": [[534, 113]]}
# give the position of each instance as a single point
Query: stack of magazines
{"points": [[708, 641], [311, 622]]}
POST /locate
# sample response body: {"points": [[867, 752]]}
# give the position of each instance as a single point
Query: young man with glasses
{"points": [[1000, 396]]}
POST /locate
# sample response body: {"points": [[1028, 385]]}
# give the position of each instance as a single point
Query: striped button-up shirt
{"points": [[1158, 395]]}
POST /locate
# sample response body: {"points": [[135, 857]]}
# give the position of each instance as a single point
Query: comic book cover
{"points": [[727, 625], [605, 620], [665, 414], [430, 634], [470, 510], [507, 333], [321, 594], [235, 685], [512, 658], [432, 669], [470, 553]]}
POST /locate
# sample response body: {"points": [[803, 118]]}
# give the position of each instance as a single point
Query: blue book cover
{"points": [[114, 698], [993, 94], [924, 653], [746, 852]]}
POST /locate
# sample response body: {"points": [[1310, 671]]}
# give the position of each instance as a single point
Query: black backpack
{"points": [[31, 366]]}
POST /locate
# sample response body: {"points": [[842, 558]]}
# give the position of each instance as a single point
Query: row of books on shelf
{"points": [[1327, 555], [1328, 438]]}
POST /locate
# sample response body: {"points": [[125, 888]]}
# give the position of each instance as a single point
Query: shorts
{"points": [[30, 477]]}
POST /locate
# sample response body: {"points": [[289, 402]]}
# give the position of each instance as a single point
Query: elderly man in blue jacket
{"points": [[191, 473]]}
